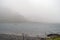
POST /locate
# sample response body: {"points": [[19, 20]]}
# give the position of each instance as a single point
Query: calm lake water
{"points": [[30, 28]]}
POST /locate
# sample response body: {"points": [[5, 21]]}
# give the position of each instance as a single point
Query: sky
{"points": [[35, 10]]}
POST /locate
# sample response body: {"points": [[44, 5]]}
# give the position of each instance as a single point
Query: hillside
{"points": [[7, 15]]}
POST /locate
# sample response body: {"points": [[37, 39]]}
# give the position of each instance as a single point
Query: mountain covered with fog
{"points": [[7, 15]]}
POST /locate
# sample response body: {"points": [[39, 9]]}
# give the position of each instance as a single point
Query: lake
{"points": [[29, 28]]}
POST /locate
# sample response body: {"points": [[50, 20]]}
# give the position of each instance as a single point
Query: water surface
{"points": [[30, 28]]}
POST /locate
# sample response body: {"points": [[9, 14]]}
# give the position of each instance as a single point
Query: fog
{"points": [[35, 15], [47, 11]]}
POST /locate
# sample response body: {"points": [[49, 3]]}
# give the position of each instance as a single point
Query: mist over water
{"points": [[35, 10], [29, 28], [33, 17]]}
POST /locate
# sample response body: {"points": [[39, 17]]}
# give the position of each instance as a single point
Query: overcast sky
{"points": [[35, 10]]}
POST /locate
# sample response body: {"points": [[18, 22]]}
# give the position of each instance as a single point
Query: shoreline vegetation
{"points": [[27, 37]]}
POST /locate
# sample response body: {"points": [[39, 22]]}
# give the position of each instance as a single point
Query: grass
{"points": [[57, 38]]}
